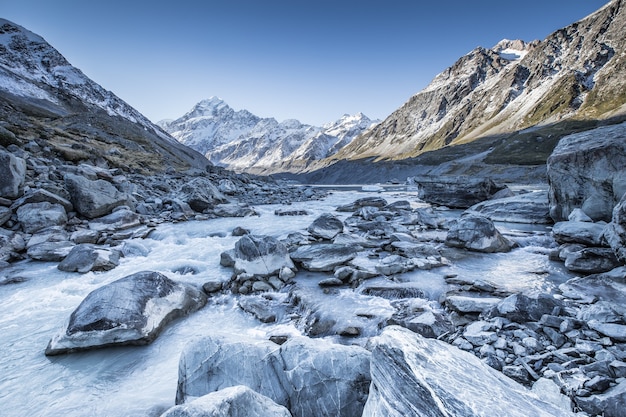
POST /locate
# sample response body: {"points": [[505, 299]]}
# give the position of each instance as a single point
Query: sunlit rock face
{"points": [[415, 376]]}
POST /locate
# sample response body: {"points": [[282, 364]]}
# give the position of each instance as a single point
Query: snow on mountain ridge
{"points": [[31, 66], [577, 71], [242, 141]]}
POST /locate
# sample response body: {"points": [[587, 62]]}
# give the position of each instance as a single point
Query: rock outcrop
{"points": [[455, 192], [588, 171], [530, 208]]}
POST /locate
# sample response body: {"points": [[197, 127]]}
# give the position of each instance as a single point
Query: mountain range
{"points": [[501, 109], [502, 106], [241, 141], [576, 73]]}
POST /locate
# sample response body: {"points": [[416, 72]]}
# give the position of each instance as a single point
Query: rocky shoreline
{"points": [[49, 206]]}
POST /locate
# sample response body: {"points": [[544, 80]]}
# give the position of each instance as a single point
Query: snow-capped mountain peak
{"points": [[210, 106], [511, 50], [242, 141]]}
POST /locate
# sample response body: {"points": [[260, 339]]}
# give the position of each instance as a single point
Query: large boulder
{"points": [[40, 195], [363, 202], [609, 286], [456, 192], [588, 170], [93, 198], [586, 233], [237, 401], [310, 377], [130, 311], [260, 256], [324, 256], [477, 233], [12, 175], [591, 261], [524, 208], [37, 216], [326, 227], [201, 194], [85, 257], [415, 376], [610, 403]]}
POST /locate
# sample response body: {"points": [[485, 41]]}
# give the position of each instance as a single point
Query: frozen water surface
{"points": [[141, 381]]}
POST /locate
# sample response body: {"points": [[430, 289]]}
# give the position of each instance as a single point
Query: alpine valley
{"points": [[497, 111], [159, 270]]}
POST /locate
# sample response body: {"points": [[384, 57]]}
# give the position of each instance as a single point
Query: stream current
{"points": [[141, 380]]}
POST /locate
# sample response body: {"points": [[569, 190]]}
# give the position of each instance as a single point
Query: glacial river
{"points": [[141, 381]]}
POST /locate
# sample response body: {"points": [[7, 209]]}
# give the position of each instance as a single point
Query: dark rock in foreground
{"points": [[460, 192], [415, 376], [130, 311]]}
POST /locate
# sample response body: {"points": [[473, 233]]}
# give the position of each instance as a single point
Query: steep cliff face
{"points": [[44, 99], [577, 73]]}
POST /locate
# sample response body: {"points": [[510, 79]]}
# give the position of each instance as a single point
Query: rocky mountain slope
{"points": [[513, 100], [241, 141], [44, 98]]}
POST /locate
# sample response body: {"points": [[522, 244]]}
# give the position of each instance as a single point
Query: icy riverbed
{"points": [[141, 381]]}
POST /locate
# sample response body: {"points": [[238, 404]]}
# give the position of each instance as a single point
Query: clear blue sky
{"points": [[311, 60]]}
